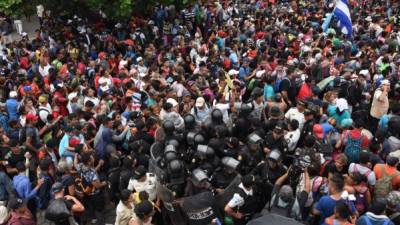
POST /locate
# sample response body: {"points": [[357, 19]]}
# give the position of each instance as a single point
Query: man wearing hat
{"points": [[20, 214], [30, 134], [380, 104], [12, 105], [44, 109], [355, 92], [143, 181], [72, 203], [200, 111], [275, 139]]}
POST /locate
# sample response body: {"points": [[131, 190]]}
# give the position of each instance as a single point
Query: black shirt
{"points": [[289, 85]]}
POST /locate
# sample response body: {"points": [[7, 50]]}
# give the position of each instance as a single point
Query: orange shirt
{"points": [[389, 170]]}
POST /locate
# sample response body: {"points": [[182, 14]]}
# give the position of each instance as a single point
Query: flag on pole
{"points": [[327, 21], [342, 13]]}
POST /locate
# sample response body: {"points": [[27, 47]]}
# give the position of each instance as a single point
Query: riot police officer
{"points": [[251, 154], [225, 174], [276, 140], [241, 206]]}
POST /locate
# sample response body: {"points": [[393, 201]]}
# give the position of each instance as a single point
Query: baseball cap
{"points": [[42, 99], [13, 94], [139, 172], [275, 111], [385, 82], [274, 154], [173, 102], [57, 187], [286, 193], [138, 59], [318, 131], [31, 117], [200, 102]]}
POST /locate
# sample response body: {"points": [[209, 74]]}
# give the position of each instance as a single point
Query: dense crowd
{"points": [[225, 112]]}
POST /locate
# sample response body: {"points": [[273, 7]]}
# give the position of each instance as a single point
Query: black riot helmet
{"points": [[170, 153], [168, 127], [199, 176], [189, 120], [216, 116], [394, 126], [176, 172], [173, 142], [199, 139], [245, 109], [206, 151]]}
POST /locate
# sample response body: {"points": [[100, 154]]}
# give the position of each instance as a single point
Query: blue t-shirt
{"points": [[269, 92], [326, 207]]}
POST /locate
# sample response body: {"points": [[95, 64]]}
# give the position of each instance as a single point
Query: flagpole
{"points": [[329, 18]]}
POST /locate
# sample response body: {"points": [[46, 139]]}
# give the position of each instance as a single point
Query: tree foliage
{"points": [[114, 9]]}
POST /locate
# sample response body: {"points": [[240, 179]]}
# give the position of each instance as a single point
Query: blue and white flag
{"points": [[342, 13]]}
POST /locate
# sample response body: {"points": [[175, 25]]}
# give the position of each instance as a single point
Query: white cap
{"points": [[172, 101], [369, 19], [13, 94], [260, 73], [200, 102], [102, 80], [138, 59], [364, 72], [385, 82], [72, 96], [342, 104], [233, 72]]}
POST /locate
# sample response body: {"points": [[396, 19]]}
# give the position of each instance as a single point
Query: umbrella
{"points": [[273, 219], [129, 42]]}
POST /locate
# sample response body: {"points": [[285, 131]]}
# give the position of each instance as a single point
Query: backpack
{"points": [[40, 122], [368, 221], [83, 187], [361, 199], [365, 175], [57, 211], [353, 148], [383, 186]]}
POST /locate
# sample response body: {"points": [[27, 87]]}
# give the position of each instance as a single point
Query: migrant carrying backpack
{"points": [[353, 148], [83, 187], [57, 211], [383, 186]]}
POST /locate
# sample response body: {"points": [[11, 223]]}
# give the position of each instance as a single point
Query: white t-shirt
{"points": [[150, 186], [237, 200], [292, 137], [44, 71], [293, 113]]}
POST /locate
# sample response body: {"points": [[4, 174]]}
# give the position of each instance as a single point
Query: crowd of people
{"points": [[219, 113]]}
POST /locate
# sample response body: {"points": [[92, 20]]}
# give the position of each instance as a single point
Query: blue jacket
{"points": [[372, 219], [12, 108], [23, 187]]}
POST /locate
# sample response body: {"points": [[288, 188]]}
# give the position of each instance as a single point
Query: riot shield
{"points": [[223, 198], [171, 208], [156, 152], [199, 209]]}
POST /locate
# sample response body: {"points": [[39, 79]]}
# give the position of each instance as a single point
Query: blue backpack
{"points": [[353, 148]]}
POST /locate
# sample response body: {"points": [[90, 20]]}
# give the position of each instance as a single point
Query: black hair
{"points": [[125, 194], [342, 209], [337, 181], [85, 158], [364, 157]]}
